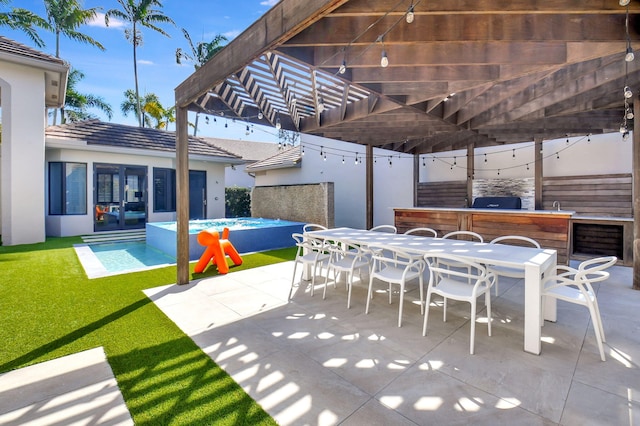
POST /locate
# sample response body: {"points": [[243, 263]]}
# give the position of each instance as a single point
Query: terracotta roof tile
{"points": [[96, 132], [13, 47]]}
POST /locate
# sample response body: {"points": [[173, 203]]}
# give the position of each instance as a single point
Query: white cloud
{"points": [[269, 2], [230, 35], [98, 21], [145, 62]]}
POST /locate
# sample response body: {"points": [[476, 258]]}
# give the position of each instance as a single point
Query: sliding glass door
{"points": [[120, 197]]}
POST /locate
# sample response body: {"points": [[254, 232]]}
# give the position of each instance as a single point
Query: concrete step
{"points": [[112, 236]]}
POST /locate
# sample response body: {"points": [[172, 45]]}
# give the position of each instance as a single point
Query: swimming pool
{"points": [[247, 234], [104, 259]]}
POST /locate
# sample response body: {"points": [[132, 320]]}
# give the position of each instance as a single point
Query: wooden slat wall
{"points": [[442, 194], [551, 231], [595, 195]]}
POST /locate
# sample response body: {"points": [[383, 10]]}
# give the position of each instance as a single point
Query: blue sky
{"points": [[108, 74]]}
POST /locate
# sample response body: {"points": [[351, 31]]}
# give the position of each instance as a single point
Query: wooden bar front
{"points": [[550, 228]]}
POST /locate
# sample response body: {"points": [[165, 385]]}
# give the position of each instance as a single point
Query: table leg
{"points": [[532, 308]]}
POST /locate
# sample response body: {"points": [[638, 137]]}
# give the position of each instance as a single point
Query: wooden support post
{"points": [[471, 170], [182, 195], [636, 195], [416, 178], [537, 178], [369, 184]]}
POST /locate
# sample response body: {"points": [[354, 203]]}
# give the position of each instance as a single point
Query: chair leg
{"points": [[427, 303], [472, 334], [401, 304], [444, 312], [487, 301], [421, 295], [293, 279], [495, 284], [596, 328], [369, 294], [597, 310], [349, 286]]}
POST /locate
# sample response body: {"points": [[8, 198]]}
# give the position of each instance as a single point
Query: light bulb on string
{"points": [[624, 2], [423, 163], [627, 92], [343, 159], [485, 157], [278, 123], [498, 172], [527, 166], [557, 155], [514, 154], [384, 59], [629, 56], [410, 14], [343, 67], [390, 162], [625, 136], [260, 116]]}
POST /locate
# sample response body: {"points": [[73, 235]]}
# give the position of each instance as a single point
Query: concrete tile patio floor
{"points": [[77, 389], [313, 361]]}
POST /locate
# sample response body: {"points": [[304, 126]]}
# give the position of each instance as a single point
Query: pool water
{"points": [[103, 259]]}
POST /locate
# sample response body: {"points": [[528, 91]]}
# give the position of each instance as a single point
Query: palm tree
{"points": [[139, 14], [76, 103], [65, 16], [200, 54], [131, 103], [24, 20], [162, 115]]}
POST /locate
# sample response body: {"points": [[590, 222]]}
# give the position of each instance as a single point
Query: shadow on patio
{"points": [[313, 361]]}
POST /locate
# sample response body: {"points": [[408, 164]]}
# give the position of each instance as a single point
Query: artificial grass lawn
{"points": [[49, 309]]}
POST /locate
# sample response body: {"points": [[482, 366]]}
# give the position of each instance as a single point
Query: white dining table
{"points": [[535, 262]]}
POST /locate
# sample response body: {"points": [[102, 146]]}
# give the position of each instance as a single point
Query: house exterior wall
{"points": [[238, 177], [22, 193], [393, 186], [597, 154], [68, 225]]}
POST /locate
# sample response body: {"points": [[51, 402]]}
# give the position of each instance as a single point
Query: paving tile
{"points": [[77, 389], [313, 361]]}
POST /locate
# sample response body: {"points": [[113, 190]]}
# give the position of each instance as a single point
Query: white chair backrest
{"points": [[473, 235], [313, 227], [427, 232], [504, 240], [381, 253], [308, 242], [593, 270], [385, 228], [439, 265]]}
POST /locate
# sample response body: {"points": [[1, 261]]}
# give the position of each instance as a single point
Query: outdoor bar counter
{"points": [[551, 228]]}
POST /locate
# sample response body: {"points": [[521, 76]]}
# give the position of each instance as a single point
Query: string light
{"points": [[485, 157], [423, 162], [343, 159], [390, 162], [343, 67], [410, 14], [514, 154]]}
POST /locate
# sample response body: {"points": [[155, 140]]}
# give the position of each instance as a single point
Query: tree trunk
{"points": [[135, 75]]}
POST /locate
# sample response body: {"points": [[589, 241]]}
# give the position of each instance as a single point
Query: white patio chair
{"points": [[427, 232], [473, 236], [347, 258], [469, 235], [313, 227], [574, 286], [311, 252], [506, 271], [395, 266], [385, 228], [461, 285]]}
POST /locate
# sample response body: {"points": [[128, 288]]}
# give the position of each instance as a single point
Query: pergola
{"points": [[423, 76]]}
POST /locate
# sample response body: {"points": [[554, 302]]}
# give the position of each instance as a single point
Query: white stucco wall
{"points": [[583, 155], [22, 171], [68, 225], [238, 177], [393, 186]]}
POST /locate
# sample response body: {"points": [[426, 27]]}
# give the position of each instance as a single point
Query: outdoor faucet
{"points": [[556, 204]]}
